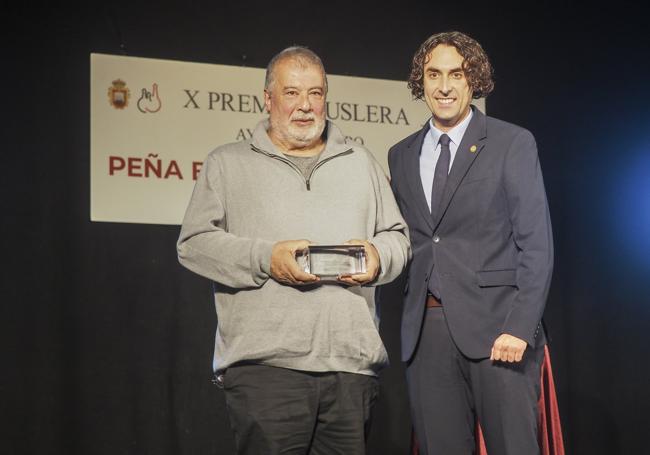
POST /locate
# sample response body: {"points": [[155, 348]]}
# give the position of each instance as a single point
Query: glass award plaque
{"points": [[331, 261]]}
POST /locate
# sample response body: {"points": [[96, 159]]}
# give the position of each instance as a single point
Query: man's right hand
{"points": [[284, 267]]}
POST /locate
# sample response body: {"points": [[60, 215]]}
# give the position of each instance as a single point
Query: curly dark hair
{"points": [[476, 65]]}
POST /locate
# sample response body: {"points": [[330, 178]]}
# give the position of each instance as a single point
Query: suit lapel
{"points": [[470, 146], [412, 156]]}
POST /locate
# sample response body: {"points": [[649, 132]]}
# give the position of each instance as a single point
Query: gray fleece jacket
{"points": [[249, 196]]}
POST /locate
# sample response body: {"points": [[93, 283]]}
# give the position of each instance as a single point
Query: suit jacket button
{"points": [[436, 239]]}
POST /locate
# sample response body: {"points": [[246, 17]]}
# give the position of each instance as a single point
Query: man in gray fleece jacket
{"points": [[297, 357]]}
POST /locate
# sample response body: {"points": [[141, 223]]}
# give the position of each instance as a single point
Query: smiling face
{"points": [[295, 101], [446, 89]]}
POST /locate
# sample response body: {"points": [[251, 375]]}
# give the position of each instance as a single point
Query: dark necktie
{"points": [[437, 189], [440, 175]]}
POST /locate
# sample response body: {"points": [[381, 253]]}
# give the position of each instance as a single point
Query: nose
{"points": [[304, 104], [444, 85]]}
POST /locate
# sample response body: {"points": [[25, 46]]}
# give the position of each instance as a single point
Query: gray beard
{"points": [[301, 137]]}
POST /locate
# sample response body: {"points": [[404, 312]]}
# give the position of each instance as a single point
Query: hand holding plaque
{"points": [[373, 265], [332, 261], [356, 262], [284, 268]]}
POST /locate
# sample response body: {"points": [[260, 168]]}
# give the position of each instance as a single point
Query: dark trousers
{"points": [[281, 411], [448, 392]]}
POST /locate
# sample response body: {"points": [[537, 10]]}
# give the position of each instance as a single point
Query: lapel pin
{"points": [[472, 149]]}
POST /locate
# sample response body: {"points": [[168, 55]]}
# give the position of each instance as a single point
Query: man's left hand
{"points": [[508, 348], [372, 265]]}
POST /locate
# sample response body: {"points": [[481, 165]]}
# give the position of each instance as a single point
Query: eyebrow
{"points": [[453, 70], [293, 87]]}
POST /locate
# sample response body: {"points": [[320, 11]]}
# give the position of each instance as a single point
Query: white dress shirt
{"points": [[431, 152]]}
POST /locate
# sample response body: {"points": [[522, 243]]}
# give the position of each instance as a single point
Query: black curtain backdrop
{"points": [[107, 341]]}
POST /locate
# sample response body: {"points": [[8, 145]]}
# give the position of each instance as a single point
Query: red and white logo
{"points": [[119, 94]]}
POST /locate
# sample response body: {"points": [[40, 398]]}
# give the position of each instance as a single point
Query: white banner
{"points": [[152, 122]]}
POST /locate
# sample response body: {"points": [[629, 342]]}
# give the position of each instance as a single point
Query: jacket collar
{"points": [[470, 146], [413, 171]]}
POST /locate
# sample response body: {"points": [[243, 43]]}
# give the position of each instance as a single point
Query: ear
{"points": [[267, 101]]}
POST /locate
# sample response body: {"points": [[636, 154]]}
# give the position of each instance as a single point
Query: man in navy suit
{"points": [[470, 188]]}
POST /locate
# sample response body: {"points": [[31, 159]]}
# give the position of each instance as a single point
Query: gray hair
{"points": [[299, 54]]}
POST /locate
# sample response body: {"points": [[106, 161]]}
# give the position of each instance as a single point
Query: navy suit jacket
{"points": [[491, 243]]}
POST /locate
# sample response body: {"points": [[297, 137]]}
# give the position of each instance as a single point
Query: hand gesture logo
{"points": [[149, 101]]}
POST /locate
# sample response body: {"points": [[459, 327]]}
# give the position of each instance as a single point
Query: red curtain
{"points": [[550, 429]]}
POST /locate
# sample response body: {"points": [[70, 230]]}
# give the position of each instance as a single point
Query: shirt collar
{"points": [[455, 134]]}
